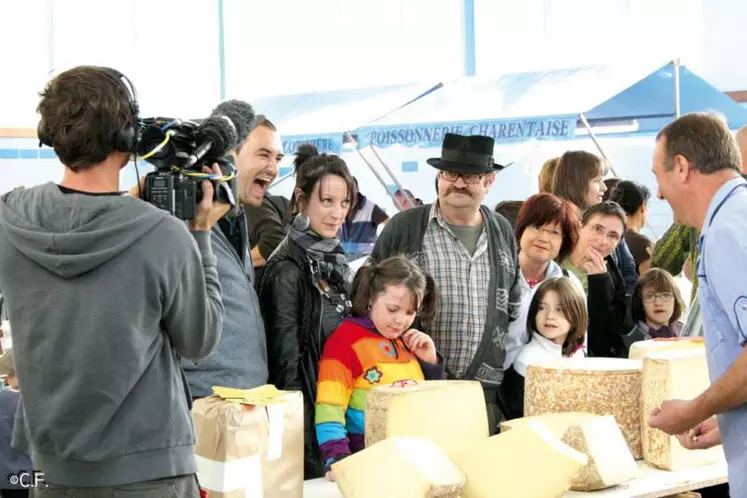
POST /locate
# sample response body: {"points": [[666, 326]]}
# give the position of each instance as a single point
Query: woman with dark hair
{"points": [[305, 287], [579, 177], [509, 210], [611, 184], [633, 198]]}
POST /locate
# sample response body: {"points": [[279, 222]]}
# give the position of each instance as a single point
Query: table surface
{"points": [[651, 483], [655, 483]]}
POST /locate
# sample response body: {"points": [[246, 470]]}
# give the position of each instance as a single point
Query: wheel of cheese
{"points": [[450, 412], [603, 386], [609, 460], [525, 462], [673, 374], [399, 467], [639, 350], [557, 423]]}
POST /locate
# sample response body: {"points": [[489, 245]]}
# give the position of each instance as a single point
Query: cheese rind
{"points": [[400, 467], [557, 423], [603, 386], [500, 465], [673, 374], [452, 413], [610, 460], [639, 350]]}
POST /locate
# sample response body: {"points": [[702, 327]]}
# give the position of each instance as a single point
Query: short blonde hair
{"points": [[546, 175]]}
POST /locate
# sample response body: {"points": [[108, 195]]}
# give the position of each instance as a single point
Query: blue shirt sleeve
{"points": [[726, 266]]}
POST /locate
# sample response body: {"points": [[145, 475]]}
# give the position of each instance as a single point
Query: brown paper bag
{"points": [[250, 451]]}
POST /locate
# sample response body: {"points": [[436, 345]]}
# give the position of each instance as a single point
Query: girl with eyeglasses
{"points": [[656, 307]]}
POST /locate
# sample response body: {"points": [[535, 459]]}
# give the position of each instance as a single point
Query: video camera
{"points": [[179, 149]]}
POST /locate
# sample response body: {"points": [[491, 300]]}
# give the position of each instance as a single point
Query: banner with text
{"points": [[502, 131], [331, 144]]}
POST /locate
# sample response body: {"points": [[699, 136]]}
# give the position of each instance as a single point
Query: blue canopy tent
{"points": [[533, 114], [323, 118], [552, 105]]}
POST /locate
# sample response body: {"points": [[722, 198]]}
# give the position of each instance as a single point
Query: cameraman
{"points": [[105, 293]]}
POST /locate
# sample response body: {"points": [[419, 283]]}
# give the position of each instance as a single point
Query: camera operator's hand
{"points": [[208, 210]]}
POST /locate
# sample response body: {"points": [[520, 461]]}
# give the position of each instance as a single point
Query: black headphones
{"points": [[127, 137]]}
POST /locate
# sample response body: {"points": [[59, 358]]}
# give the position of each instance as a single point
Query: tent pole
{"points": [[596, 142], [221, 50], [468, 37], [677, 105], [376, 173], [391, 174]]}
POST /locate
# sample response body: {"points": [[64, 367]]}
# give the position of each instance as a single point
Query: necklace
{"points": [[532, 283]]}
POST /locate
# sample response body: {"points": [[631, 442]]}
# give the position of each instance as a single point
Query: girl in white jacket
{"points": [[556, 323]]}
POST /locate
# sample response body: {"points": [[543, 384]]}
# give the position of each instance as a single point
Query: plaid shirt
{"points": [[463, 281]]}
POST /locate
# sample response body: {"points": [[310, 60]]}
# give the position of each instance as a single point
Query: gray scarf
{"points": [[326, 256]]}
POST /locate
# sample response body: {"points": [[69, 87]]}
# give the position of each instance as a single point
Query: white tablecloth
{"points": [[651, 483], [320, 488]]}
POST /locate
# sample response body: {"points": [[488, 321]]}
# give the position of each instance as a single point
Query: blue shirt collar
{"points": [[721, 194]]}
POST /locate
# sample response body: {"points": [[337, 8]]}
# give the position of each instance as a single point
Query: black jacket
{"points": [[609, 313], [292, 310], [266, 226]]}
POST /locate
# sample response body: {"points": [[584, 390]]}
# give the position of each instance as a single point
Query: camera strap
{"points": [[237, 233]]}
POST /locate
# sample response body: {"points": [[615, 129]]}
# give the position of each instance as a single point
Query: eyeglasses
{"points": [[468, 178], [555, 234], [666, 297], [613, 237]]}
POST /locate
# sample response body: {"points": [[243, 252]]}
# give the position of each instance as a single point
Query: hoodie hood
{"points": [[71, 234]]}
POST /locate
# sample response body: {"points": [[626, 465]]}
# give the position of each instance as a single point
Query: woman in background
{"points": [[633, 198], [579, 177], [305, 288]]}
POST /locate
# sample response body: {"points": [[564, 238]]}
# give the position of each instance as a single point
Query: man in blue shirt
{"points": [[697, 166]]}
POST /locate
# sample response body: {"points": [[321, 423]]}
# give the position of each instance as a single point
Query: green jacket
{"points": [[672, 249]]}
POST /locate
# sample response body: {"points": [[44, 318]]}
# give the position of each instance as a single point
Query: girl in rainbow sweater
{"points": [[375, 347]]}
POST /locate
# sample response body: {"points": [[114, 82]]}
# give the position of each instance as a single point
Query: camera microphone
{"points": [[216, 135], [180, 148], [241, 115]]}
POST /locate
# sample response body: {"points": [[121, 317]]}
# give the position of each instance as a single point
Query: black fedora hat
{"points": [[463, 154]]}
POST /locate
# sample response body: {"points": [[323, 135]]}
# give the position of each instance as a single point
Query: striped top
{"points": [[357, 358]]}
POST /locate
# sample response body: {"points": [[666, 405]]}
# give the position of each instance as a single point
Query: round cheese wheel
{"points": [[603, 386]]}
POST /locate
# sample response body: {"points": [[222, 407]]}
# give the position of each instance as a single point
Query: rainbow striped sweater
{"points": [[357, 358]]}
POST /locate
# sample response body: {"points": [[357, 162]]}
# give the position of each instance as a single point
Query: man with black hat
{"points": [[471, 253]]}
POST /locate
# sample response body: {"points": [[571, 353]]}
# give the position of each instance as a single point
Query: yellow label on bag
{"points": [[262, 395]]}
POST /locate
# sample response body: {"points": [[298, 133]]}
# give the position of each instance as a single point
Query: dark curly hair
{"points": [[82, 110]]}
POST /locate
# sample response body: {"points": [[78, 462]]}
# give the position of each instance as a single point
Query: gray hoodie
{"points": [[104, 294]]}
